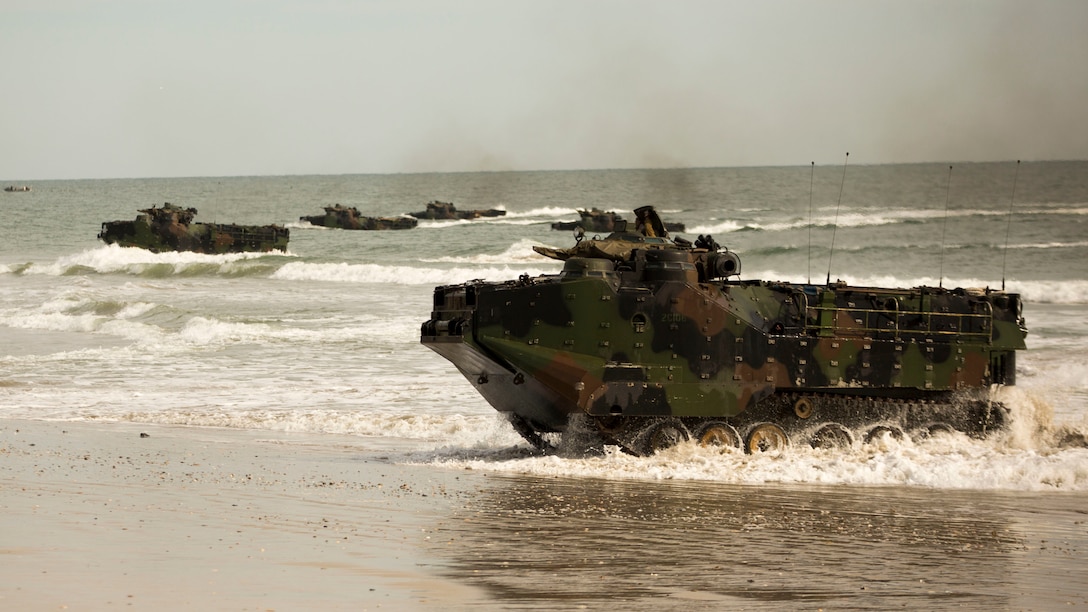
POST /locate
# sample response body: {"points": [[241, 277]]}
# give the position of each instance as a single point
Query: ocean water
{"points": [[324, 338]]}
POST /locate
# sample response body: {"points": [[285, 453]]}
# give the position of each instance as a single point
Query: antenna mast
{"points": [[944, 226], [835, 225], [811, 175], [1008, 226]]}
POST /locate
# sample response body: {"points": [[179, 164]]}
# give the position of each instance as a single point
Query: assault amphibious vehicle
{"points": [[646, 342], [171, 228], [349, 217], [597, 220], [447, 211]]}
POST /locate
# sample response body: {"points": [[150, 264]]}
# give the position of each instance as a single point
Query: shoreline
{"points": [[103, 514], [96, 516]]}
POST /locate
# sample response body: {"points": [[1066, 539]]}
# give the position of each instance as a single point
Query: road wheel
{"points": [[719, 434], [880, 431], [935, 429], [832, 436], [661, 435], [766, 437]]}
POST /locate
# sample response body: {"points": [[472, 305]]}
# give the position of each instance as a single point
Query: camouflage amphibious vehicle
{"points": [[171, 228], [447, 211], [597, 220], [648, 341], [349, 217]]}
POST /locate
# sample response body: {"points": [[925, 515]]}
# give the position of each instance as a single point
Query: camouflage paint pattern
{"points": [[344, 217], [600, 221], [171, 228], [643, 329], [447, 211]]}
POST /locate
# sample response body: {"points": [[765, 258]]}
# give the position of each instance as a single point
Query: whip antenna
{"points": [[1008, 226], [835, 225], [811, 175], [944, 226]]}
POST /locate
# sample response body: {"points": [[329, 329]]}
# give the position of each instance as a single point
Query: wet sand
{"points": [[96, 516]]}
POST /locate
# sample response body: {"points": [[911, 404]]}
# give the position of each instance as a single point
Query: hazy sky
{"points": [[150, 88]]}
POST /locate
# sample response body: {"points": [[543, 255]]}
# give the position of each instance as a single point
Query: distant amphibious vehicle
{"points": [[344, 217], [446, 211], [171, 228], [597, 220], [645, 342]]}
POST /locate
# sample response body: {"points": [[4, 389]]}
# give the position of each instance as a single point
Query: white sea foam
{"points": [[399, 275], [951, 462], [112, 258], [1070, 210], [521, 252], [75, 313], [484, 266], [867, 218], [543, 212], [848, 219], [1050, 245], [84, 314], [1033, 455]]}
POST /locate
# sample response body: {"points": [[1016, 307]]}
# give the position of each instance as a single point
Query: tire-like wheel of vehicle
{"points": [[661, 435], [718, 434], [933, 430], [880, 431], [766, 437], [831, 436]]}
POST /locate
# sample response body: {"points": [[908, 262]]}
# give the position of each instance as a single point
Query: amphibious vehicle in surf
{"points": [[447, 211], [647, 341], [171, 228], [597, 220], [349, 217]]}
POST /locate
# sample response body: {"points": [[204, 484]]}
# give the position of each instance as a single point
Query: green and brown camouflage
{"points": [[600, 221], [447, 211], [344, 217], [648, 341], [171, 228]]}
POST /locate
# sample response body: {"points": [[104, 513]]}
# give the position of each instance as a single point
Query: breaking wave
{"points": [[870, 217], [113, 259], [398, 275], [521, 252]]}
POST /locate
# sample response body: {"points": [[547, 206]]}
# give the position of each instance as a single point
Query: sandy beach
{"points": [[98, 516]]}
